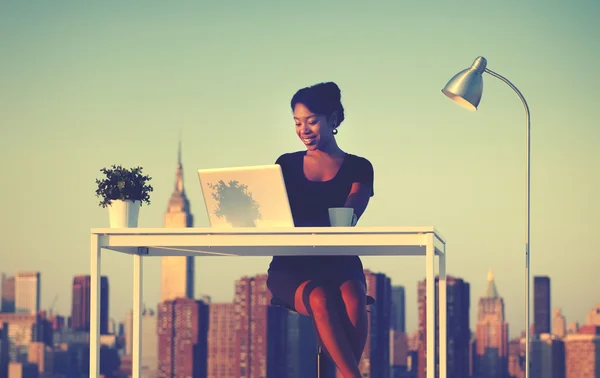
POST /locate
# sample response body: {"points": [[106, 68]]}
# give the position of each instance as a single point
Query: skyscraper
{"points": [[541, 305], [221, 341], [559, 324], [150, 349], [301, 346], [491, 334], [27, 292], [582, 352], [375, 362], [398, 336], [243, 353], [80, 304], [593, 316], [149, 355], [4, 349], [182, 338], [459, 333], [8, 294], [260, 348], [129, 333], [547, 357], [516, 357], [398, 309], [177, 272]]}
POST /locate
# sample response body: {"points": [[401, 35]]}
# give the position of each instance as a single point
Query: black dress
{"points": [[309, 203]]}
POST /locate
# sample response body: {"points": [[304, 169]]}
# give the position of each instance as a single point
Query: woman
{"points": [[330, 289]]}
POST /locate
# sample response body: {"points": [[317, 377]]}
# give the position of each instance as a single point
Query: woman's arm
{"points": [[358, 199]]}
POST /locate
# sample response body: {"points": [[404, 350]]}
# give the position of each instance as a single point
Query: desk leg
{"points": [[443, 305], [94, 307], [137, 316], [430, 305]]}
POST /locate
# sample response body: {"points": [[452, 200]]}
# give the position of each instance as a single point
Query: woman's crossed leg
{"points": [[340, 317]]}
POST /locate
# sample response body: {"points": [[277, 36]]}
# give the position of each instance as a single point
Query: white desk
{"points": [[363, 241]]}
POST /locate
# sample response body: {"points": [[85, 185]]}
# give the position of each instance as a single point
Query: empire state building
{"points": [[177, 272]]}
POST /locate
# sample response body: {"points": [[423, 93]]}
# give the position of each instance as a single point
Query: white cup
{"points": [[342, 217]]}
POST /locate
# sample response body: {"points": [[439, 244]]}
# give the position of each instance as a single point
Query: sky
{"points": [[85, 86]]}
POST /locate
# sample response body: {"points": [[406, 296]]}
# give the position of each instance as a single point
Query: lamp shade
{"points": [[466, 87]]}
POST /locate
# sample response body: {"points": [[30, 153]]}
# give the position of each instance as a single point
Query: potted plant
{"points": [[123, 191]]}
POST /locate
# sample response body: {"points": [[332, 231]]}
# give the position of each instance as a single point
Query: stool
{"points": [[275, 302]]}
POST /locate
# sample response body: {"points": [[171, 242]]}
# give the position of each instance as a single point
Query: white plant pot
{"points": [[124, 214]]}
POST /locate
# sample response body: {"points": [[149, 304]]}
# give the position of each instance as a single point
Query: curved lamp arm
{"points": [[497, 75], [528, 169]]}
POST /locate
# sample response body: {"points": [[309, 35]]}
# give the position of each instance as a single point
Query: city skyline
{"points": [[256, 325], [86, 87], [491, 293]]}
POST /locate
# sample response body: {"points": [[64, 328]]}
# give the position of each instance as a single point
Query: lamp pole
{"points": [[466, 88]]}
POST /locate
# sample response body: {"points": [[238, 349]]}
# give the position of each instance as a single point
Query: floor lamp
{"points": [[466, 88]]}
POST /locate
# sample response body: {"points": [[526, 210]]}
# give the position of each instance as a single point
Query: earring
{"points": [[334, 131]]}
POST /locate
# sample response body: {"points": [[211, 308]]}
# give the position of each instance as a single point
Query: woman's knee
{"points": [[312, 298], [319, 300], [355, 297]]}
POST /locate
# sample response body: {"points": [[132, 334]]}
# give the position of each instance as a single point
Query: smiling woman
{"points": [[330, 289]]}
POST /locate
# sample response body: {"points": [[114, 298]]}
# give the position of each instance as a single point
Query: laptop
{"points": [[252, 196]]}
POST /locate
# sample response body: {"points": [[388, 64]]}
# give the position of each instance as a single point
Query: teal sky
{"points": [[86, 86]]}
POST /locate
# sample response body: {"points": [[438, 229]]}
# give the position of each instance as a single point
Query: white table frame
{"points": [[363, 241]]}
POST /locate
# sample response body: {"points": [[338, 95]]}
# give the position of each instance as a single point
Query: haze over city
{"points": [[84, 87]]}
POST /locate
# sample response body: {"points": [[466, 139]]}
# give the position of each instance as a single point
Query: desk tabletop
{"points": [[263, 231], [280, 241]]}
